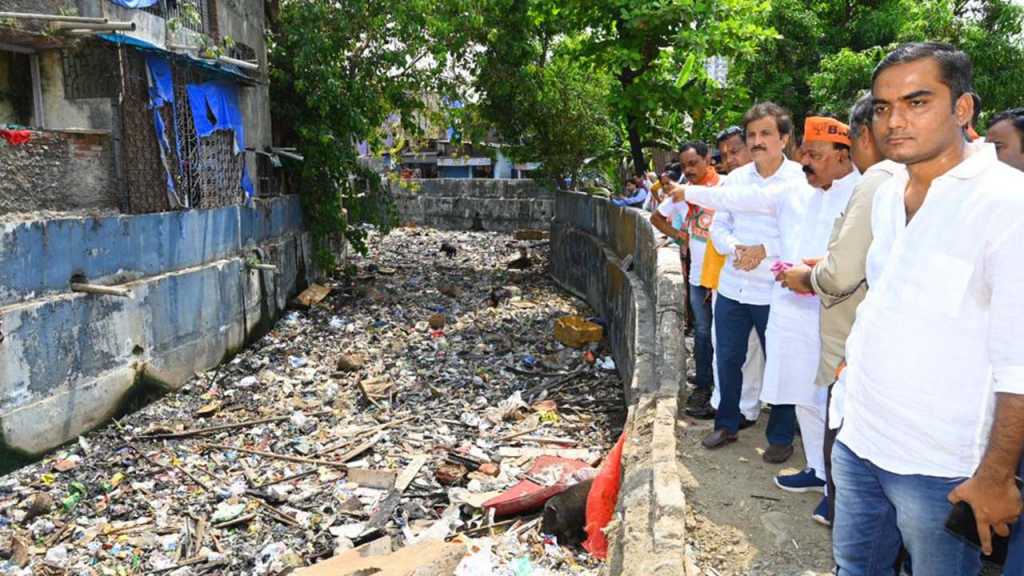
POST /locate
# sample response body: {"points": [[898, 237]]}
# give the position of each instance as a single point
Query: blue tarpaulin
{"points": [[215, 107], [162, 89], [136, 3]]}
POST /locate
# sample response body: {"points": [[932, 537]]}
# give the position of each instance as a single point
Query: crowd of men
{"points": [[879, 270]]}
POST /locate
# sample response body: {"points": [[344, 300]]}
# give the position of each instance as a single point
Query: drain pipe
{"points": [[53, 17]]}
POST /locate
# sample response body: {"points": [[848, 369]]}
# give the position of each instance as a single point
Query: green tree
{"points": [[546, 104], [656, 51], [827, 49], [339, 72]]}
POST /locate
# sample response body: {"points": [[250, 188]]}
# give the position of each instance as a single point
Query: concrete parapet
{"points": [[460, 204], [69, 360], [609, 257]]}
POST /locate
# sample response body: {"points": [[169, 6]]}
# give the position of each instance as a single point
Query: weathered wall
{"points": [[59, 171], [68, 360], [243, 22], [63, 114], [501, 205], [609, 257]]}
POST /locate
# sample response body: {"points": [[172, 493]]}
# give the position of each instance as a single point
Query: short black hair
{"points": [[1014, 116], [697, 146], [730, 132], [861, 114], [783, 120], [956, 69]]}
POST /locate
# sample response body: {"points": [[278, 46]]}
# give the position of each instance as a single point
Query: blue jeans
{"points": [[733, 323], [877, 511], [1015, 554], [703, 349]]}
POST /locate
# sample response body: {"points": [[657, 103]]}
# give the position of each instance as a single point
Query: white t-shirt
{"points": [[698, 245]]}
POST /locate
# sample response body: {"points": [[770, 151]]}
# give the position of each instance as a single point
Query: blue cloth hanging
{"points": [[136, 3], [215, 107], [161, 91]]}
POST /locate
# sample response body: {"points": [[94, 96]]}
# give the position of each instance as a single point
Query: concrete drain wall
{"points": [[69, 361], [608, 256], [463, 204]]}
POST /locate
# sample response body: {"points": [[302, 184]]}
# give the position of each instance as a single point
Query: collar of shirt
{"points": [[979, 156]]}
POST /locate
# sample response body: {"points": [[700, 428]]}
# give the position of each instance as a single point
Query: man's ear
{"points": [[964, 109]]}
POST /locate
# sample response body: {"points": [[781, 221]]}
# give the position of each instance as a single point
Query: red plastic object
{"points": [[601, 501], [15, 137], [527, 495]]}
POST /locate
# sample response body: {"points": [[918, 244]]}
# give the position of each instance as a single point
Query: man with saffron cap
{"points": [[805, 213]]}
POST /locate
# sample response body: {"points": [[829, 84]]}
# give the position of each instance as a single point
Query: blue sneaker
{"points": [[821, 515], [804, 481]]}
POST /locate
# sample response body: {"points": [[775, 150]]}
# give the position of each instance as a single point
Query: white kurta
{"points": [[805, 217]]}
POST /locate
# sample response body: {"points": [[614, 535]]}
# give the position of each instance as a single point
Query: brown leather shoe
{"points": [[777, 453], [718, 438]]}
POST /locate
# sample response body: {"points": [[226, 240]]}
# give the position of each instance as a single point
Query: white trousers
{"points": [[812, 434]]}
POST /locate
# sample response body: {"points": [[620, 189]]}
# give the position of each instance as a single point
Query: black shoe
{"points": [[698, 405], [744, 423]]}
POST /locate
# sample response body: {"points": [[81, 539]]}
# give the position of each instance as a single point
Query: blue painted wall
{"points": [[67, 359]]}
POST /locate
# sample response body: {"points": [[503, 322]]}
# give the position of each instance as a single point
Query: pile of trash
{"points": [[418, 407]]}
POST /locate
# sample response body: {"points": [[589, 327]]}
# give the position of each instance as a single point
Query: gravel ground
{"points": [[419, 350]]}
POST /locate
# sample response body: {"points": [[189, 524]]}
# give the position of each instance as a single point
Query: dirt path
{"points": [[740, 523]]}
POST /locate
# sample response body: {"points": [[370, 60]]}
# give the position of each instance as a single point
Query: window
{"points": [[15, 89]]}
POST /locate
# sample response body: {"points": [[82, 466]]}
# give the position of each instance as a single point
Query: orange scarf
{"points": [[714, 261]]}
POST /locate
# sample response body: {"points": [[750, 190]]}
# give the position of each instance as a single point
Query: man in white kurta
{"points": [[804, 213]]}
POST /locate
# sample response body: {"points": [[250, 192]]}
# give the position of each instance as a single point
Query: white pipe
{"points": [[291, 155], [52, 17], [101, 290], [97, 27], [240, 63]]}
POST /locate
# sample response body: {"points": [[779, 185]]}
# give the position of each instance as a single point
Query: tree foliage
{"points": [[827, 50], [339, 72]]}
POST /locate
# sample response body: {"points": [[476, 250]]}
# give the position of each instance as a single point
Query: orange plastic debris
{"points": [[601, 501]]}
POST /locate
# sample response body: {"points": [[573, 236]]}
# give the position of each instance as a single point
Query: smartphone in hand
{"points": [[961, 523]]}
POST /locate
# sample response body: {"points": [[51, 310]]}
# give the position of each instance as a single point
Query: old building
{"points": [[133, 105]]}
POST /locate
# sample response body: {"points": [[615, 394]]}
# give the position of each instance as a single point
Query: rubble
{"points": [[359, 428]]}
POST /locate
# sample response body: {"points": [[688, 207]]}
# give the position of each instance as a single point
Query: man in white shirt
{"points": [[934, 401], [745, 286], [805, 212], [733, 146]]}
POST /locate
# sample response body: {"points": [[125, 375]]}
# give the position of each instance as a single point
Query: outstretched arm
{"points": [[736, 198]]}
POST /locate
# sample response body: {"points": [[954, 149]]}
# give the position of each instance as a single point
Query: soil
{"points": [[739, 522]]}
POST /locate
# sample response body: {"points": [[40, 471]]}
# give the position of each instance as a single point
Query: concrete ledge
{"points": [[69, 361], [608, 256]]}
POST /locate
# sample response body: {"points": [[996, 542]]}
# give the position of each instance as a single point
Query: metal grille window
{"points": [[205, 171], [145, 180], [193, 15], [209, 171], [89, 71], [242, 51]]}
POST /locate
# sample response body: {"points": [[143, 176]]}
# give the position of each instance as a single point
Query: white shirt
{"points": [[750, 228], [942, 327], [804, 218]]}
